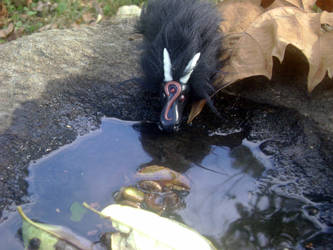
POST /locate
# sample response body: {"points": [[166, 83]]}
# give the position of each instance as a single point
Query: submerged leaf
{"points": [[166, 176], [144, 230], [50, 237], [77, 211]]}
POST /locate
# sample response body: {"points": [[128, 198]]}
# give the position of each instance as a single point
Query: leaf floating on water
{"points": [[132, 194], [141, 230], [166, 176], [77, 211], [47, 237]]}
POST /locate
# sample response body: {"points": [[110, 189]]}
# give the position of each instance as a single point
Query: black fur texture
{"points": [[184, 27]]}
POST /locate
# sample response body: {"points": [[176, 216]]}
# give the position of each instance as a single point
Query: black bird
{"points": [[181, 56]]}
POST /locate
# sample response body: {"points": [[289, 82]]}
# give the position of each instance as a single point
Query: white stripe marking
{"points": [[189, 68], [167, 66]]}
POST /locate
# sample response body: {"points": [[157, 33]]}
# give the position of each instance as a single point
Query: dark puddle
{"points": [[227, 202]]}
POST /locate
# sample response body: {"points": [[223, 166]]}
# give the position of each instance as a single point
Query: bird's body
{"points": [[182, 47]]}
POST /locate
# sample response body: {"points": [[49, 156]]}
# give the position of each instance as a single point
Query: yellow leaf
{"points": [[143, 230]]}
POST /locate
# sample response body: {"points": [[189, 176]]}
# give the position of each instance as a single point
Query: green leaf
{"points": [[48, 237], [31, 13], [142, 230], [77, 211]]}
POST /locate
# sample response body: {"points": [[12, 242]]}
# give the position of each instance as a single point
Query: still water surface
{"points": [[225, 203]]}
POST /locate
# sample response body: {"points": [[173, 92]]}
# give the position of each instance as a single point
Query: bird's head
{"points": [[174, 93]]}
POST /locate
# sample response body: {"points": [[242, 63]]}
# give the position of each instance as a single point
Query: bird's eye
{"points": [[182, 98]]}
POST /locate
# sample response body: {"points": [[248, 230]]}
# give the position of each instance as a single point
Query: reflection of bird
{"points": [[181, 151], [182, 47]]}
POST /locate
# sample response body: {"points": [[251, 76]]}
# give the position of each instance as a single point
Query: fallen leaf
{"points": [[270, 34], [196, 110], [99, 18], [238, 15], [77, 211], [266, 3], [166, 176], [325, 5], [306, 5], [7, 31], [44, 236], [283, 3], [143, 230]]}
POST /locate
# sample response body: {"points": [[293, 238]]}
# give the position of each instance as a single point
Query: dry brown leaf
{"points": [[266, 3], [258, 30], [270, 34], [196, 110], [238, 15], [5, 32], [325, 5], [301, 4], [308, 5]]}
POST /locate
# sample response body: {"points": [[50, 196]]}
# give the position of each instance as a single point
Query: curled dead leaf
{"points": [[266, 3], [270, 34], [238, 15], [306, 5]]}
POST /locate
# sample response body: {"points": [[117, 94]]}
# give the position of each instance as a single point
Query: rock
{"points": [[128, 11], [57, 84], [288, 89]]}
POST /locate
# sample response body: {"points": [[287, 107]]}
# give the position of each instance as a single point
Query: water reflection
{"points": [[183, 150], [268, 222], [225, 203]]}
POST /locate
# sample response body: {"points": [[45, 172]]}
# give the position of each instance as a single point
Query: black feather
{"points": [[184, 27]]}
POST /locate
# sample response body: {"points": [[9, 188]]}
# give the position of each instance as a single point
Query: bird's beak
{"points": [[171, 115]]}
